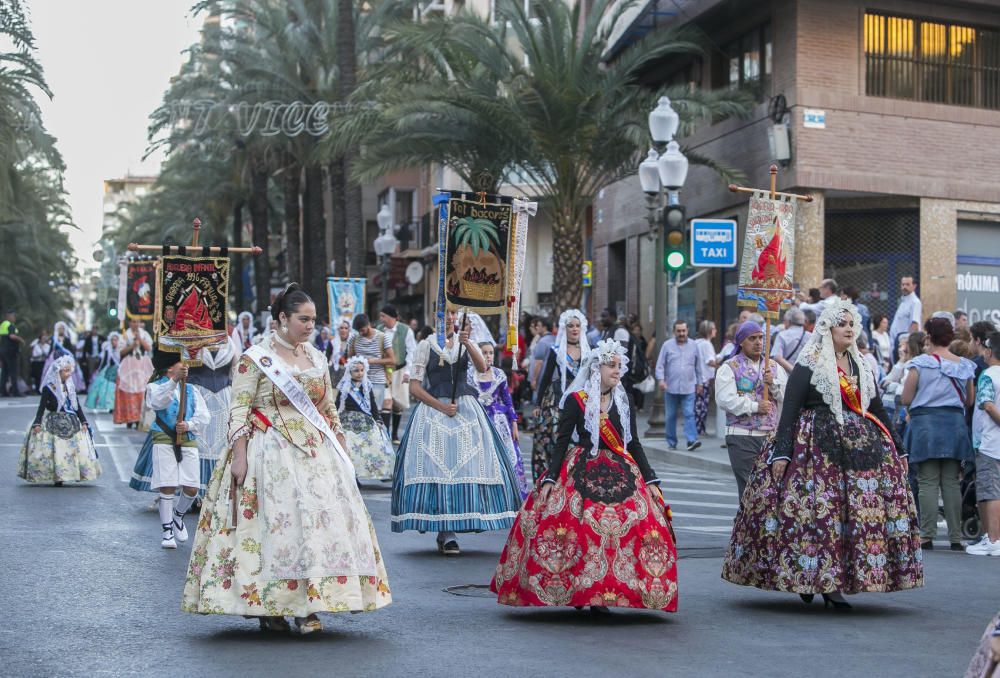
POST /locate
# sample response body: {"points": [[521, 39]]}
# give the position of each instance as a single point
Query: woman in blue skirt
{"points": [[453, 473]]}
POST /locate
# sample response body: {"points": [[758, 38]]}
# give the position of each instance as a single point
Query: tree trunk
{"points": [[314, 261], [258, 219], [236, 267], [567, 259], [337, 190], [293, 221], [347, 60]]}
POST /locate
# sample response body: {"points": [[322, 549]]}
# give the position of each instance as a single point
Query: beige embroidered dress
{"points": [[303, 540]]}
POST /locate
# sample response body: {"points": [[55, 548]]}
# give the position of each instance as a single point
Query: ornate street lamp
{"points": [[665, 167], [385, 245]]}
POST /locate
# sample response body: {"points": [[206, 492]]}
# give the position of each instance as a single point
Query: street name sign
{"points": [[713, 243]]}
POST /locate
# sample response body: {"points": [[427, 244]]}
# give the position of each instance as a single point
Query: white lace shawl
{"points": [[561, 343], [818, 355], [589, 379], [109, 352], [479, 332], [346, 385], [61, 389]]}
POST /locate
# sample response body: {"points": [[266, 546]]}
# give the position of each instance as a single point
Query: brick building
{"points": [[902, 134]]}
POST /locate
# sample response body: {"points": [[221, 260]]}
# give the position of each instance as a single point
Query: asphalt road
{"points": [[87, 591]]}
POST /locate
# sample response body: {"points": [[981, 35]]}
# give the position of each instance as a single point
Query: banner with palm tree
{"points": [[476, 251]]}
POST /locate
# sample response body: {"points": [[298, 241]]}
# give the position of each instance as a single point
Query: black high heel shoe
{"points": [[830, 604], [807, 597]]}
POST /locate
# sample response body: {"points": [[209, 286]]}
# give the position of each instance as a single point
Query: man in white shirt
{"points": [[909, 312], [789, 342], [739, 390], [828, 293]]}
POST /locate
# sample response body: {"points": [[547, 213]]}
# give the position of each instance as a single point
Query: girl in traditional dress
{"points": [[283, 530], [453, 473], [561, 367], [595, 531], [494, 395], [101, 394], [64, 344], [367, 439], [133, 374], [827, 508], [59, 446]]}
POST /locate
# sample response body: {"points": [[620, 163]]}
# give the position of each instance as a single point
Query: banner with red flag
{"points": [[191, 304], [767, 265], [140, 289]]}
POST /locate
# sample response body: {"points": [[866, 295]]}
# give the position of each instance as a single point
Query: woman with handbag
{"points": [[59, 445], [936, 391], [595, 531], [283, 529]]}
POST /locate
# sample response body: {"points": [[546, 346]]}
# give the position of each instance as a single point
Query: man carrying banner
{"points": [[404, 345]]}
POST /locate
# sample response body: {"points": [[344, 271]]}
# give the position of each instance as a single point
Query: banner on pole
{"points": [[191, 304], [767, 265], [345, 298], [482, 243], [140, 290], [477, 251]]}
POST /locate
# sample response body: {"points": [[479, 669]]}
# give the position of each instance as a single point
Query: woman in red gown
{"points": [[595, 530]]}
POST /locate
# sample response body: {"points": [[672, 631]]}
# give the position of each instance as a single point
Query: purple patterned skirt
{"points": [[827, 525]]}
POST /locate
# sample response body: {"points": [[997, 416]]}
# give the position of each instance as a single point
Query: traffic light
{"points": [[674, 238], [113, 309]]}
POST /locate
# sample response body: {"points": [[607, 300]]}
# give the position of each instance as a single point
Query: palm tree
{"points": [[33, 209], [531, 95]]}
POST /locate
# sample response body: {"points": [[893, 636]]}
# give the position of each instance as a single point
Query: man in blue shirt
{"points": [[679, 372]]}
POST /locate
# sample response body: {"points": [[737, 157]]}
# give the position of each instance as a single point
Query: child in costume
{"points": [[59, 447], [493, 394], [101, 394], [368, 441], [175, 464]]}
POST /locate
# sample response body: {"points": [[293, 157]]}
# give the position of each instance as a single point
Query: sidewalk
{"points": [[711, 456]]}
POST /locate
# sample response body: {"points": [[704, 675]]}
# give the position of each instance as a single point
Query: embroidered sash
{"points": [[613, 439], [299, 399], [852, 399]]}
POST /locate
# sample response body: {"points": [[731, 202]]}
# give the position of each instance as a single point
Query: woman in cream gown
{"points": [[283, 530]]}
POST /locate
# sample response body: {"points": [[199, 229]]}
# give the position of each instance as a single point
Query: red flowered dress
{"points": [[602, 538]]}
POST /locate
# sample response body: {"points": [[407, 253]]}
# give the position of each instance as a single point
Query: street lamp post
{"points": [[665, 167], [385, 245]]}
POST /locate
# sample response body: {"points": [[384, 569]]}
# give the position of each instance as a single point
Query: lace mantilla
{"points": [[588, 380], [818, 355], [346, 384], [561, 342]]}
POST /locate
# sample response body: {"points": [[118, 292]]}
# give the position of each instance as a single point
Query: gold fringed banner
{"points": [[767, 265], [191, 304]]}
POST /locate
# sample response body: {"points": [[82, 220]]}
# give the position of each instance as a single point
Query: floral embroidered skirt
{"points": [[543, 433], [101, 394], [303, 541], [837, 521], [601, 539], [701, 402], [369, 445], [46, 458], [981, 660], [505, 431], [128, 407]]}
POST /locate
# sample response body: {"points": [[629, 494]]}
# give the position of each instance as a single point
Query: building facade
{"points": [[892, 114]]}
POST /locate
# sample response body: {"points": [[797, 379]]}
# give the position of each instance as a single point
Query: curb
{"points": [[686, 459]]}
